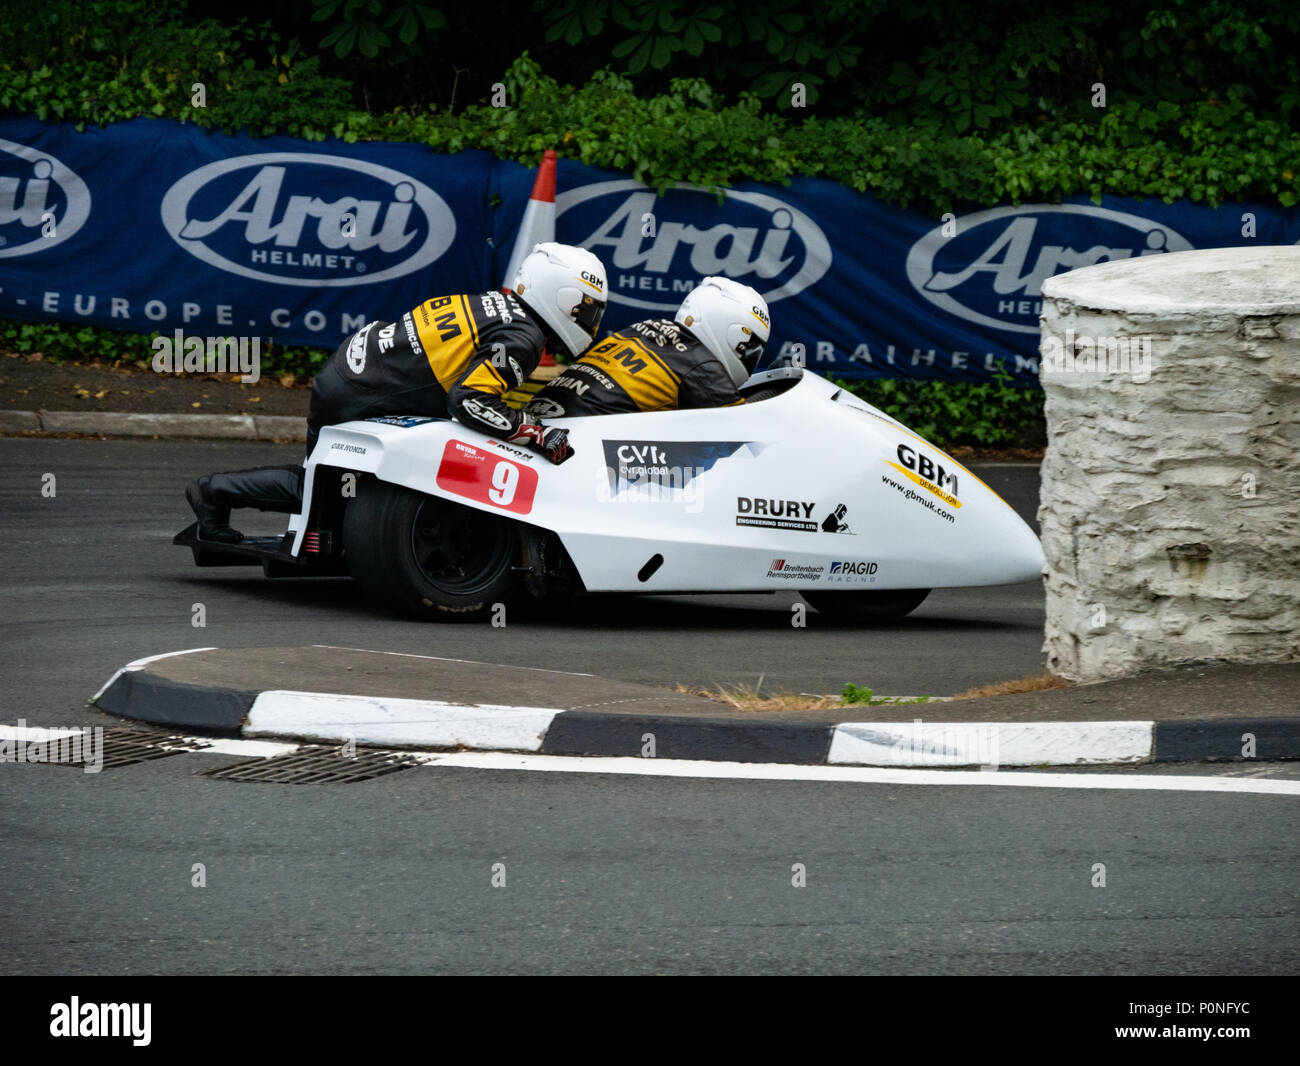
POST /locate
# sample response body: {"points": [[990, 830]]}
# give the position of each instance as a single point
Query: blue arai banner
{"points": [[154, 225]]}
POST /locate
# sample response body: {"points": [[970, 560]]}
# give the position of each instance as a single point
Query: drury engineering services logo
{"points": [[657, 247], [991, 271], [42, 202], [262, 217]]}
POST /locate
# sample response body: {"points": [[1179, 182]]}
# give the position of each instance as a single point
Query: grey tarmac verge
{"points": [[389, 699]]}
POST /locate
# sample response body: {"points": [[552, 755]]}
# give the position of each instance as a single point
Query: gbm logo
{"points": [[42, 202], [992, 271], [264, 217], [657, 247]]}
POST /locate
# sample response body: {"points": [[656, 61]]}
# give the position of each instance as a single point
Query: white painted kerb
{"points": [[385, 720], [990, 743]]}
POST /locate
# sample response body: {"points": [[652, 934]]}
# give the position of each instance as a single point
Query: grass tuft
{"points": [[752, 698], [1038, 683]]}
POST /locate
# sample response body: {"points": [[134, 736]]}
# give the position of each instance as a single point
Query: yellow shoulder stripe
{"points": [[469, 320], [484, 378]]}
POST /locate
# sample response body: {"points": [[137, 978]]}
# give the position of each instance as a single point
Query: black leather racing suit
{"points": [[656, 365], [452, 355]]}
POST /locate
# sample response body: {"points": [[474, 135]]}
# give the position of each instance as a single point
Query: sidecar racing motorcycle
{"points": [[804, 487]]}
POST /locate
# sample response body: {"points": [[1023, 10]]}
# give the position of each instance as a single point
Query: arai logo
{"points": [[657, 247], [992, 271], [42, 202], [266, 217]]}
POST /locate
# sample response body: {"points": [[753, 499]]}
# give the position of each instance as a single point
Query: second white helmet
{"points": [[565, 287], [731, 321]]}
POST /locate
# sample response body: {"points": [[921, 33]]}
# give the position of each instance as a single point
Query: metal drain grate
{"points": [[126, 747], [316, 764]]}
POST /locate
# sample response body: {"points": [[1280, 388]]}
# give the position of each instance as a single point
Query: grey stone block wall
{"points": [[1171, 487]]}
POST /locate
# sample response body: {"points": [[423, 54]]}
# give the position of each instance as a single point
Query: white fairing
{"points": [[733, 499]]}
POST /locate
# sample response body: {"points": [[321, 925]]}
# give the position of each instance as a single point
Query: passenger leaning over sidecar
{"points": [[699, 359], [452, 355]]}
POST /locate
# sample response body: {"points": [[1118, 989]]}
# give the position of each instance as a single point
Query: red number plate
{"points": [[487, 477]]}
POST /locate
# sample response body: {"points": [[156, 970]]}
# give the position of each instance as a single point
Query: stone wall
{"points": [[1171, 487]]}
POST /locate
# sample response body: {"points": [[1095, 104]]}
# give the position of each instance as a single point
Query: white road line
{"points": [[444, 659], [864, 775], [253, 749]]}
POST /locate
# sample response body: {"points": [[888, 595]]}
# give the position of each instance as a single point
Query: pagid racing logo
{"points": [[852, 572]]}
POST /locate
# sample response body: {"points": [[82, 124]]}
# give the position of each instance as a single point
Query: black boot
{"points": [[268, 488], [214, 518]]}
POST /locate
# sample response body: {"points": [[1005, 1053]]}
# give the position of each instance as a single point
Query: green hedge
{"points": [[1208, 151], [993, 414], [68, 342]]}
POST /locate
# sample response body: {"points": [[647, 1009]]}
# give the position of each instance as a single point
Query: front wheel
{"points": [[866, 606], [427, 556]]}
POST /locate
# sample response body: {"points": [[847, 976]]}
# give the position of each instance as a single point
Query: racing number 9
{"points": [[472, 471], [505, 480]]}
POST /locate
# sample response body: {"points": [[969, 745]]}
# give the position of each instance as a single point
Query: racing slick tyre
{"points": [[426, 556], [866, 606]]}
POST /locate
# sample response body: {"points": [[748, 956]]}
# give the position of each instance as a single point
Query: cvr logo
{"points": [[641, 453]]}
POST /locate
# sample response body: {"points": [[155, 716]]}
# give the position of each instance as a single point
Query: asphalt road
{"points": [[92, 581], [603, 873], [622, 874]]}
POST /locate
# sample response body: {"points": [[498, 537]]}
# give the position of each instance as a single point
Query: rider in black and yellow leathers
{"points": [[452, 356], [699, 359]]}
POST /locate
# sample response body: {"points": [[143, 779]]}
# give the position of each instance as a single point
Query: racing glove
{"points": [[551, 441]]}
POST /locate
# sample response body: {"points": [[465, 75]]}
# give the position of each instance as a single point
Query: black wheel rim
{"points": [[459, 550]]}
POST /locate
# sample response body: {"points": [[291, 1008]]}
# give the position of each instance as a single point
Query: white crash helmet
{"points": [[731, 321], [565, 287]]}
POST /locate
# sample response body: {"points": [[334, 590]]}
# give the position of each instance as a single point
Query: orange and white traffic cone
{"points": [[538, 224]]}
